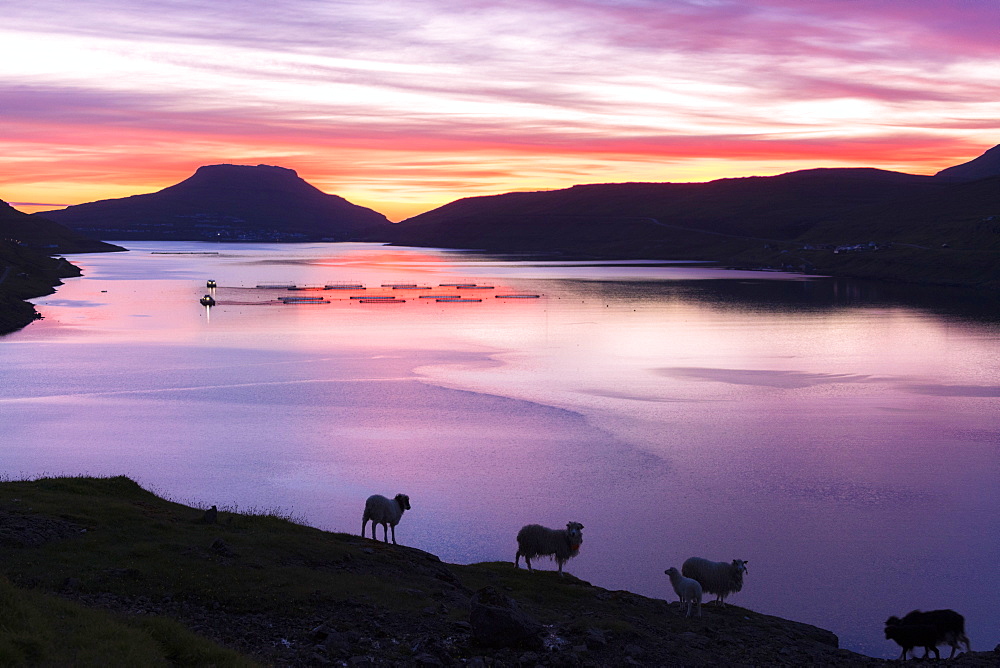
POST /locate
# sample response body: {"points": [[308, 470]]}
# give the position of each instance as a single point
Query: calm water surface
{"points": [[844, 441]]}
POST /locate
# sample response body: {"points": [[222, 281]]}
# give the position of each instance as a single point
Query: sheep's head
{"points": [[740, 565], [671, 572], [403, 501], [575, 532]]}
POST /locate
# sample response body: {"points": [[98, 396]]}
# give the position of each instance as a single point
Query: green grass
{"points": [[123, 539], [257, 582], [37, 629]]}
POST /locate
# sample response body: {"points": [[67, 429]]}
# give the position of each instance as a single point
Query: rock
{"points": [[633, 650], [595, 638], [692, 639], [426, 659], [211, 516], [497, 622], [337, 643], [221, 548]]}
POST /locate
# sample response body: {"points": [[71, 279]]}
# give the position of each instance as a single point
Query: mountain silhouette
{"points": [[229, 202], [45, 235], [684, 220], [985, 166], [860, 222]]}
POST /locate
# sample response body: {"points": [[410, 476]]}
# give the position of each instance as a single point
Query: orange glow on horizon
{"points": [[435, 101]]}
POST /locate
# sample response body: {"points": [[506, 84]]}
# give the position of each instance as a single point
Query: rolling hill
{"points": [[943, 229]]}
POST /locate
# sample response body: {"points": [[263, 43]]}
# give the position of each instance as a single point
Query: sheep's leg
{"points": [[527, 560], [517, 559], [364, 524], [394, 535], [385, 532]]}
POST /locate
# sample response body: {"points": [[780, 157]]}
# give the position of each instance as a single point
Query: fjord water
{"points": [[843, 439]]}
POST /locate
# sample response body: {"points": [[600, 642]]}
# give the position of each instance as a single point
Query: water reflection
{"points": [[786, 420]]}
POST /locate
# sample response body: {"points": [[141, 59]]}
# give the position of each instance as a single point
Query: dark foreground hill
{"points": [[943, 229], [101, 572], [229, 203]]}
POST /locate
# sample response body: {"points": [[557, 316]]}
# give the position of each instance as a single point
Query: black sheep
{"points": [[927, 630]]}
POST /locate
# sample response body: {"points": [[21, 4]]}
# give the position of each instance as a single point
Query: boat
{"points": [[390, 300], [440, 296], [460, 299], [517, 296], [207, 300]]}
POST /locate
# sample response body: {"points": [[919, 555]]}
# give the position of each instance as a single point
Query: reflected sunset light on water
{"points": [[674, 410]]}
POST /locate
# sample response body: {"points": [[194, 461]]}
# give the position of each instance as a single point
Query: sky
{"points": [[406, 105]]}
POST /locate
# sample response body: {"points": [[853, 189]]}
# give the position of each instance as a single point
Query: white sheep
{"points": [[386, 512], [687, 589], [534, 540], [716, 577]]}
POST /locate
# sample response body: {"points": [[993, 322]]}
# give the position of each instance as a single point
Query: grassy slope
{"points": [[283, 593], [38, 629]]}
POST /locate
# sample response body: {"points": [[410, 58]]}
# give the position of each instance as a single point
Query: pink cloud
{"points": [[470, 95]]}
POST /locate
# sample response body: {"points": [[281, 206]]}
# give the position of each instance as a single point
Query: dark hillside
{"points": [[27, 269], [986, 165], [229, 202], [282, 593], [24, 274], [670, 219], [46, 235], [864, 223]]}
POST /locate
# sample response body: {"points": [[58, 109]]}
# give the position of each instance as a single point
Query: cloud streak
{"points": [[349, 93]]}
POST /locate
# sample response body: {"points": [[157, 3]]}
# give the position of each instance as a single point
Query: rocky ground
{"points": [[373, 604]]}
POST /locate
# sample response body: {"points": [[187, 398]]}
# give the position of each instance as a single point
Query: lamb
{"points": [[928, 630], [386, 512], [687, 589], [716, 577], [534, 540]]}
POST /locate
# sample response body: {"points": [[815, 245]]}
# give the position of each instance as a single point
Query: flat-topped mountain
{"points": [[229, 202]]}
